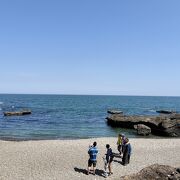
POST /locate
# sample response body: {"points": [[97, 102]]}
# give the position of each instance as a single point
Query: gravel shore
{"points": [[67, 159]]}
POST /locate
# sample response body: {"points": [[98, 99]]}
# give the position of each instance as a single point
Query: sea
{"points": [[73, 116]]}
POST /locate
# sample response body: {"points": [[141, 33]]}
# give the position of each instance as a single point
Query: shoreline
{"points": [[67, 159], [84, 138]]}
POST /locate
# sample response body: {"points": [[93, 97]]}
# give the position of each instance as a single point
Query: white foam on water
{"points": [[151, 110]]}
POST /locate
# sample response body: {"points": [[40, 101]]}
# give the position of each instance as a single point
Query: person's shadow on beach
{"points": [[99, 172], [84, 171], [120, 162], [116, 155]]}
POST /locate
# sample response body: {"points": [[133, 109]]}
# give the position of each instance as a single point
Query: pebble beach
{"points": [[67, 159]]}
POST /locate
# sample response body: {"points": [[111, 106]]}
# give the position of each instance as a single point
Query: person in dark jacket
{"points": [[126, 152], [109, 158]]}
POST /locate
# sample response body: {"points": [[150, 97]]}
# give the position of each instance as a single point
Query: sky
{"points": [[119, 47]]}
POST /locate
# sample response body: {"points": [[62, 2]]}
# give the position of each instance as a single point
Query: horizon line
{"points": [[88, 94]]}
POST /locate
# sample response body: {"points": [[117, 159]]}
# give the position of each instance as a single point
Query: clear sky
{"points": [[119, 47]]}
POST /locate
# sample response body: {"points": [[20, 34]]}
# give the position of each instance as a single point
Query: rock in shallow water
{"points": [[160, 125], [142, 129]]}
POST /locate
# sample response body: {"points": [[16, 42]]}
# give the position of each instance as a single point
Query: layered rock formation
{"points": [[167, 125]]}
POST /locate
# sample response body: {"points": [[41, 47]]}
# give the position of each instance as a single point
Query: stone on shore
{"points": [[155, 171]]}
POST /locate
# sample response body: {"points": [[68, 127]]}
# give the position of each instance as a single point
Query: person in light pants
{"points": [[105, 174]]}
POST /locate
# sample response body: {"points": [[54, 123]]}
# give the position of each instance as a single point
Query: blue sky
{"points": [[90, 47]]}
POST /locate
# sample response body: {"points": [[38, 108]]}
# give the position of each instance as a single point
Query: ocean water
{"points": [[73, 116]]}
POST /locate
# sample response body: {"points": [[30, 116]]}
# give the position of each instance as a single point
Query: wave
{"points": [[152, 110], [1, 103]]}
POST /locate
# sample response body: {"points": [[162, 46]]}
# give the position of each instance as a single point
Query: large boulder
{"points": [[142, 129], [155, 171], [168, 125]]}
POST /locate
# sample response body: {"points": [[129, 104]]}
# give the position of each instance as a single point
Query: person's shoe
{"points": [[105, 174]]}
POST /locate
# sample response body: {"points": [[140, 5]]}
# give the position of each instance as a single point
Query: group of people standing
{"points": [[124, 148]]}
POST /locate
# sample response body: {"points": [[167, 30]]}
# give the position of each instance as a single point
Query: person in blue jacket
{"points": [[92, 158], [126, 152]]}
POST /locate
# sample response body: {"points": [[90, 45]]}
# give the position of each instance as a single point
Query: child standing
{"points": [[109, 158]]}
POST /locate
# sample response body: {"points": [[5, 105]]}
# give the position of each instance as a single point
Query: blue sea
{"points": [[73, 116]]}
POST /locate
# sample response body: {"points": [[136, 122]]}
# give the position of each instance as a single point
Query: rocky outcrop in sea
{"points": [[163, 125]]}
